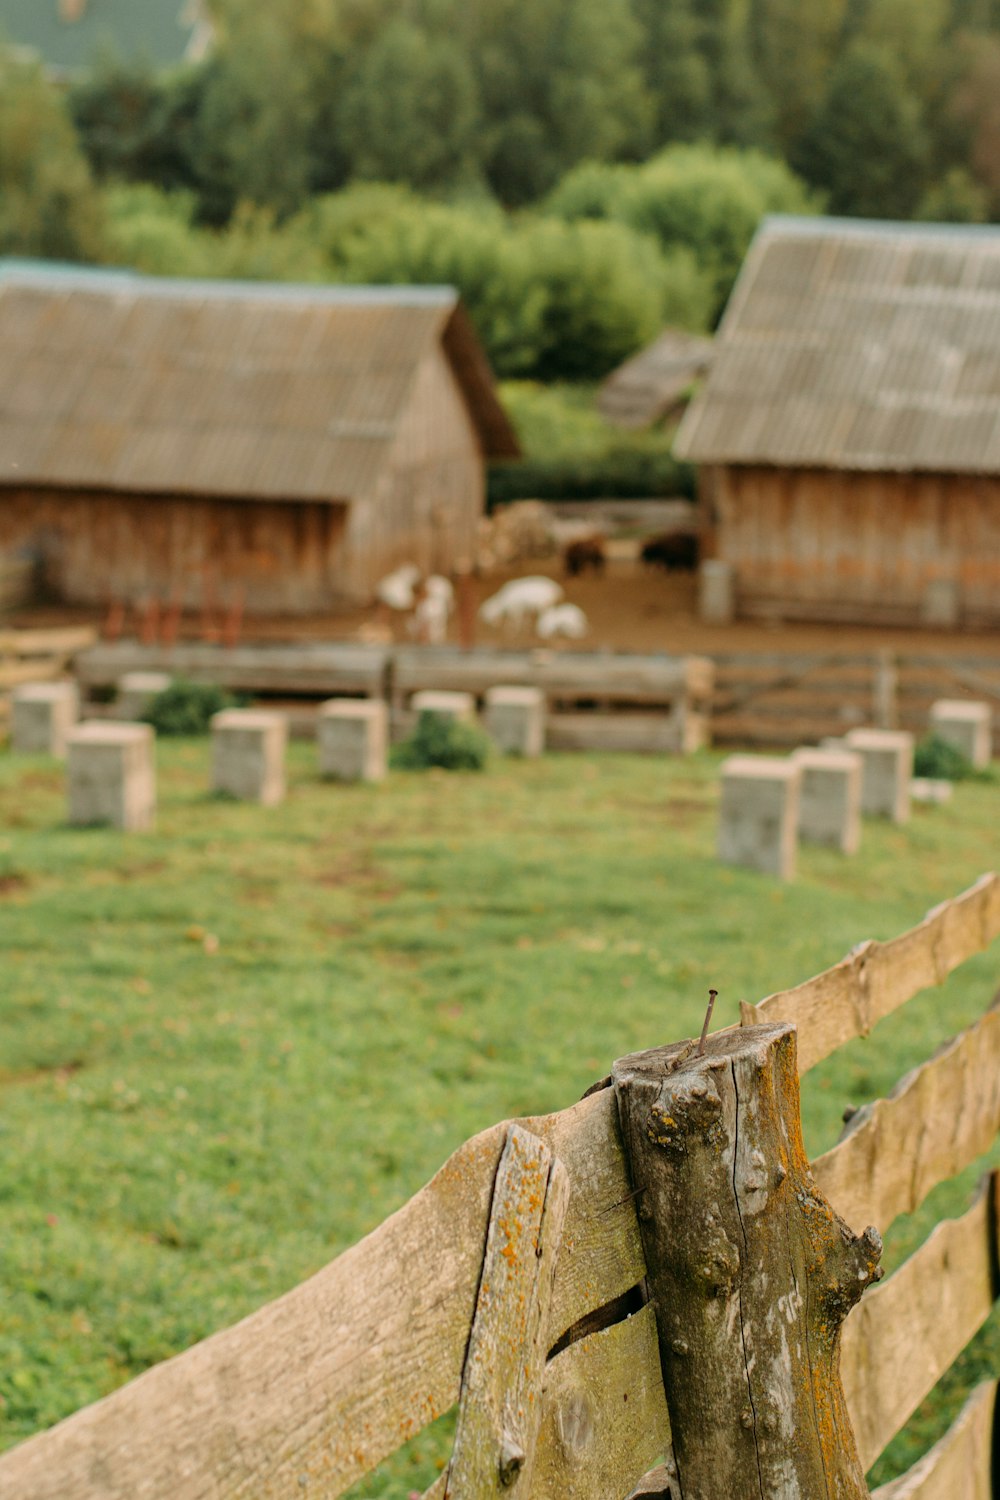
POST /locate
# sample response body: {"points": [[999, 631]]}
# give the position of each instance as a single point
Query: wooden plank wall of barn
{"points": [[829, 545], [431, 495], [97, 547]]}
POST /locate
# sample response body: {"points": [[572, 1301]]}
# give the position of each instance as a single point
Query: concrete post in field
{"points": [[759, 816], [353, 736], [967, 726], [886, 771], [248, 754], [716, 592], [749, 1270], [515, 719], [830, 800], [42, 714], [448, 705], [136, 691], [110, 774]]}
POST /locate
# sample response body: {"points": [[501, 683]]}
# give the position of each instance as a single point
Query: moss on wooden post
{"points": [[751, 1272]]}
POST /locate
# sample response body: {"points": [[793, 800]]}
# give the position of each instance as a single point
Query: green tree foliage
{"points": [[703, 200], [409, 113], [48, 203], [135, 125], [866, 147], [558, 82], [253, 135], [793, 44], [549, 299]]}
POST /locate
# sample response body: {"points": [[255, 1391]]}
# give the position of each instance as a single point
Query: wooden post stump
{"points": [[750, 1271]]}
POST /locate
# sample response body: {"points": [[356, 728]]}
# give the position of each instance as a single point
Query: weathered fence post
{"points": [[750, 1271]]}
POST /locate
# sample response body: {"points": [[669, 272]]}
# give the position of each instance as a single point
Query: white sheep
{"points": [[562, 619], [520, 598], [438, 587], [398, 589]]}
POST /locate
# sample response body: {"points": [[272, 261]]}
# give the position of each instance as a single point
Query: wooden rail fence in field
{"points": [[782, 699], [568, 1282]]}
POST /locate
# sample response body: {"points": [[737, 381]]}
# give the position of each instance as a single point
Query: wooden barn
{"points": [[281, 447], [848, 436]]}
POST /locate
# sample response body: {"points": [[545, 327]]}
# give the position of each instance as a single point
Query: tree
{"points": [[135, 125], [253, 133], [866, 146], [558, 82], [48, 203], [409, 113], [793, 44], [676, 70]]}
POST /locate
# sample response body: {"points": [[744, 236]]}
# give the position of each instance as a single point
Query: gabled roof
{"points": [[111, 380], [853, 344], [155, 31], [649, 385]]}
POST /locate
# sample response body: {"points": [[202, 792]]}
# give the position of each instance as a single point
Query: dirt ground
{"points": [[629, 608]]}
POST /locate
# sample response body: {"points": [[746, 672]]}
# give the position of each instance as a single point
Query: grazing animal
{"points": [[675, 551], [586, 552], [519, 599], [398, 588], [562, 619], [430, 618]]}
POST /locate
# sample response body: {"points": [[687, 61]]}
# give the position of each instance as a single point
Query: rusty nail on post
{"points": [[708, 1016]]}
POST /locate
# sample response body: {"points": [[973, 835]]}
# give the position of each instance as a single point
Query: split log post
{"points": [[500, 1404], [750, 1271]]}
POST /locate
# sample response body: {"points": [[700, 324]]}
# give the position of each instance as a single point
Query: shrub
{"points": [[186, 707], [442, 741], [549, 298], [940, 760]]}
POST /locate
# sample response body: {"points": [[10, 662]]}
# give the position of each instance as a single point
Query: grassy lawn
{"points": [[230, 1048]]}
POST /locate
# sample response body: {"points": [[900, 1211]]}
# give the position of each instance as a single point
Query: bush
{"points": [[940, 760], [549, 298], [704, 200], [442, 741], [186, 707], [572, 453]]}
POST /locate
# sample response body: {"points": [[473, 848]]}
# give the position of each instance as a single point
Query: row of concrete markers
{"points": [[110, 767], [819, 795]]}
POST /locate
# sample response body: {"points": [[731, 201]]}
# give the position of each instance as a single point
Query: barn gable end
{"points": [[259, 432], [849, 432]]}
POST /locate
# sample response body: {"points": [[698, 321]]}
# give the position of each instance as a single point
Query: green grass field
{"points": [[230, 1048]]}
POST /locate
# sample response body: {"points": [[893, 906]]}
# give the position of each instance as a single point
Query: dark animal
{"points": [[586, 552], [675, 551]]}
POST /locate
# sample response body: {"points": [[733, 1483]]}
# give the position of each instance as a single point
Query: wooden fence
{"points": [[38, 656], [528, 1282], [596, 700], [781, 699]]}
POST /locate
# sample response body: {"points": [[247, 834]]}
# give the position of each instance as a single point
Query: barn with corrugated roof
{"points": [[848, 436], [283, 446]]}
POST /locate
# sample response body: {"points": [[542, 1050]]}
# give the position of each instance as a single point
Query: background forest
{"points": [[585, 171]]}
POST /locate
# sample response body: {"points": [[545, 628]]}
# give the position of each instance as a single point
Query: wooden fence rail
{"points": [[535, 1282]]}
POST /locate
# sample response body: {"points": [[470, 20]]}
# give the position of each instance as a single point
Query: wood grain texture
{"points": [[959, 1467], [604, 1417], [604, 1414], [750, 1272], [319, 1386], [937, 1120], [903, 1337], [874, 979], [499, 1407]]}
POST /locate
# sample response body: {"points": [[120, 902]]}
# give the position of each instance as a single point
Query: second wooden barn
{"points": [[848, 437], [283, 447]]}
